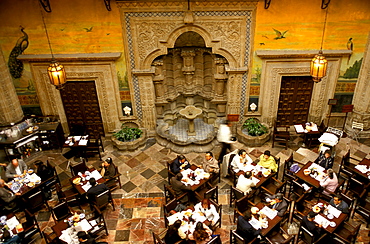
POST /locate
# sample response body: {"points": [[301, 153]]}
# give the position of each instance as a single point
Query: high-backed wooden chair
{"points": [[280, 135]]}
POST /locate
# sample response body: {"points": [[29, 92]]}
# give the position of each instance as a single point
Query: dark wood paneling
{"points": [[81, 106], [294, 100]]}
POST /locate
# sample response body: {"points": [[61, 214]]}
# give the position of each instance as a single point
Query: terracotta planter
{"points": [[130, 145], [253, 141]]}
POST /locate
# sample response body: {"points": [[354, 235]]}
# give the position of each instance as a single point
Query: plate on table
{"points": [[30, 171], [77, 181], [31, 184], [38, 182], [330, 216], [316, 209], [332, 224]]}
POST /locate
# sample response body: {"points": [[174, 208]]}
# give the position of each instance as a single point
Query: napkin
{"points": [[95, 174], [12, 222], [362, 168], [299, 128], [255, 223], [321, 220], [334, 211]]}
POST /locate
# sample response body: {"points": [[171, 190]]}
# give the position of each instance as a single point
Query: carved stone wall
{"points": [[361, 98], [151, 29], [10, 108], [103, 73], [275, 65]]}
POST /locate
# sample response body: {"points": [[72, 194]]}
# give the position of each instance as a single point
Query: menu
{"points": [[269, 212], [299, 128], [321, 220]]}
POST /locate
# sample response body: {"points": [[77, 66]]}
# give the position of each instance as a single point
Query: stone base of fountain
{"points": [[178, 140]]}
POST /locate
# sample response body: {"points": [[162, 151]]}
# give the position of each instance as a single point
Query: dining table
{"points": [[260, 174], [309, 133], [271, 216], [312, 179], [363, 168], [11, 223], [81, 181], [77, 144], [25, 182], [195, 177], [328, 216], [66, 230]]}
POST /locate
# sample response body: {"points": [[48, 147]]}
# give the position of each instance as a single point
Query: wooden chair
{"points": [[50, 238], [169, 171], [235, 238], [347, 232], [35, 202], [94, 146], [309, 238], [70, 196], [52, 181], [219, 211], [215, 240], [235, 194], [103, 199], [100, 227], [77, 168], [115, 182], [299, 194], [167, 208], [363, 209], [169, 194], [273, 186], [280, 135], [356, 188], [208, 193], [230, 170], [280, 236], [241, 206], [30, 228], [288, 175], [159, 238], [61, 211]]}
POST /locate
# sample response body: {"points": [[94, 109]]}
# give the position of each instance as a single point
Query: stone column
{"points": [[10, 107], [147, 96], [234, 90], [361, 98]]}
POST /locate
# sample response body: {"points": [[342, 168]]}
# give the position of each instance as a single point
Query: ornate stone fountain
{"points": [[190, 112]]}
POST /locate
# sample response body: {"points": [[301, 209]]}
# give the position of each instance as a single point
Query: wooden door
{"points": [[81, 106], [294, 100]]}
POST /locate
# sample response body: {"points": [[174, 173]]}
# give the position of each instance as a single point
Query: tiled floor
{"points": [[138, 203]]}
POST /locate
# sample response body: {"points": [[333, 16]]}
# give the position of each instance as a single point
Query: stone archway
{"points": [[152, 32]]}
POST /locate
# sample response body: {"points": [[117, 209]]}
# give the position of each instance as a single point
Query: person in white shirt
{"points": [[208, 210], [224, 136], [329, 183], [240, 161], [245, 182]]}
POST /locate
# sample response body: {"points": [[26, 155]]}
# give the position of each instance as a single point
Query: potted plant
{"points": [[253, 133], [254, 127], [127, 134], [129, 138]]}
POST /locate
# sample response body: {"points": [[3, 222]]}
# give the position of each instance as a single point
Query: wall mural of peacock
{"points": [[15, 65]]}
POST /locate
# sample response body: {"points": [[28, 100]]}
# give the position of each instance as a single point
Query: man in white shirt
{"points": [[240, 161], [210, 164], [245, 182]]}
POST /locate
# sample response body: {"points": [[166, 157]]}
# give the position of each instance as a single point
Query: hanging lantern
{"points": [[318, 67], [57, 74]]}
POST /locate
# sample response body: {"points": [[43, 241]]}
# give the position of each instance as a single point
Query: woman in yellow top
{"points": [[267, 161]]}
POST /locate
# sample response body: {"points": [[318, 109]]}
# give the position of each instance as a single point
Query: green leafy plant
{"points": [[128, 134], [254, 127]]}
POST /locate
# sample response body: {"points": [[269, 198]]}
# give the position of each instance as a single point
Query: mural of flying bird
{"points": [[279, 34], [89, 29]]}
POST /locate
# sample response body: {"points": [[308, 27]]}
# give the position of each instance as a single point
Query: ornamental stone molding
{"points": [[276, 66], [104, 76], [152, 28]]}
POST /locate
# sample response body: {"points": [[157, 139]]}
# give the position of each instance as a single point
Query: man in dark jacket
{"points": [[108, 170], [325, 160], [7, 197], [179, 164], [279, 204], [310, 225], [339, 204], [179, 187], [95, 189], [245, 229]]}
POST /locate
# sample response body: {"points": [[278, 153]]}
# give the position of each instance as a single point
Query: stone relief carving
{"points": [[149, 34], [229, 32]]}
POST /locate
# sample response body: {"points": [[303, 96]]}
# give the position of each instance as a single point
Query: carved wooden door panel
{"points": [[294, 100], [81, 106]]}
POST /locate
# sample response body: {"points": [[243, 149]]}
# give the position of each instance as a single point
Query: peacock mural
{"points": [[15, 65]]}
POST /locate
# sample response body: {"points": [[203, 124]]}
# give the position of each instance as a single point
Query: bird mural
{"points": [[350, 44], [279, 35], [89, 29], [15, 65]]}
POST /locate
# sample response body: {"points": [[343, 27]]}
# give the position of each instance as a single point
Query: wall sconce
{"points": [[253, 107], [127, 110]]}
